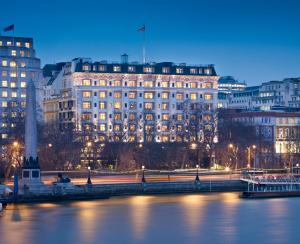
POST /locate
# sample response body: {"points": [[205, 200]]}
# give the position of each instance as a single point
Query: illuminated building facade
{"points": [[132, 102], [18, 65]]}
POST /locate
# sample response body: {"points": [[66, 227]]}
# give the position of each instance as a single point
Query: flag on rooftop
{"points": [[142, 29], [9, 28]]}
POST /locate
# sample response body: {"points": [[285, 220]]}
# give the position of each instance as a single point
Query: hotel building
{"points": [[132, 102], [18, 65]]}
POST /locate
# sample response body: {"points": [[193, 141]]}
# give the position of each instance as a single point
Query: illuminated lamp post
{"points": [[143, 176], [197, 174], [89, 181]]}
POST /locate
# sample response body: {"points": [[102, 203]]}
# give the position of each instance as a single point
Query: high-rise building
{"points": [[226, 86], [160, 102], [18, 65]]}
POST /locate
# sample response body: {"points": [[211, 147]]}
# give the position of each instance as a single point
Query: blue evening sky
{"points": [[253, 40]]}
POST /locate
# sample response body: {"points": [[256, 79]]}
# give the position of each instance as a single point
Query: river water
{"points": [[207, 218]]}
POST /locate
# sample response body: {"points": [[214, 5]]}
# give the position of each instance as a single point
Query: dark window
{"points": [[25, 174], [35, 174]]}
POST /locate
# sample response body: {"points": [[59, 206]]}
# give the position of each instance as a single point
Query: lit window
{"points": [[4, 104], [18, 44], [148, 105], [86, 105], [102, 82], [23, 84], [4, 136], [102, 105], [132, 127], [179, 96], [148, 95], [179, 70], [165, 84], [131, 83], [193, 71], [207, 71], [86, 94], [13, 94], [23, 74], [208, 85], [4, 83], [86, 67], [117, 128], [148, 83], [149, 116], [22, 53], [4, 94], [102, 67], [27, 44], [1, 43], [165, 95], [193, 85], [118, 105], [4, 62], [4, 73], [102, 94], [13, 84], [132, 116], [131, 69], [23, 64], [117, 83], [102, 127], [13, 74], [118, 95], [9, 43], [102, 116], [165, 106], [118, 116], [132, 95], [166, 70], [208, 96], [193, 96], [13, 52], [86, 82], [23, 94], [179, 117], [148, 69], [165, 116], [179, 84], [117, 68]]}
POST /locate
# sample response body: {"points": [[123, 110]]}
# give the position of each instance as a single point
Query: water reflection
{"points": [[211, 218], [193, 210], [139, 212]]}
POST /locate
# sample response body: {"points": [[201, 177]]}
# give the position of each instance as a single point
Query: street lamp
{"points": [[89, 181], [15, 144], [197, 175], [49, 145], [143, 177]]}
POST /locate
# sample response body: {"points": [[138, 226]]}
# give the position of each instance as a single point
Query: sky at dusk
{"points": [[253, 40]]}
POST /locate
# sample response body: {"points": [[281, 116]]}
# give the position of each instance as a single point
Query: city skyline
{"points": [[260, 47]]}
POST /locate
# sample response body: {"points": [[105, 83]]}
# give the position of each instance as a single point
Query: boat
{"points": [[271, 186]]}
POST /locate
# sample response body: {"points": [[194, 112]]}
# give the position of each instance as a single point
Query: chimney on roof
{"points": [[124, 59]]}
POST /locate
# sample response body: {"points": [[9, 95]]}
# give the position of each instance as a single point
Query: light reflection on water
{"points": [[195, 218]]}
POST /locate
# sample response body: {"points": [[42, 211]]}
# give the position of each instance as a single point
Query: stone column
{"points": [[30, 123]]}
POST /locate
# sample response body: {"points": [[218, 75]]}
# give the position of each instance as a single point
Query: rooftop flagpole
{"points": [[143, 30]]}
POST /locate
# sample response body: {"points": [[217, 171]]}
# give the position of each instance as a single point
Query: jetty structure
{"points": [[271, 186]]}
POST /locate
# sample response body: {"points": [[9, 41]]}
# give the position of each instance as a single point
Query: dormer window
{"points": [[179, 70], [148, 69], [85, 67], [117, 68], [193, 71], [165, 70], [207, 71], [102, 67], [131, 68]]}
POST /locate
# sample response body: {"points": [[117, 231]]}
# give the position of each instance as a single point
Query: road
{"points": [[131, 178], [117, 179]]}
